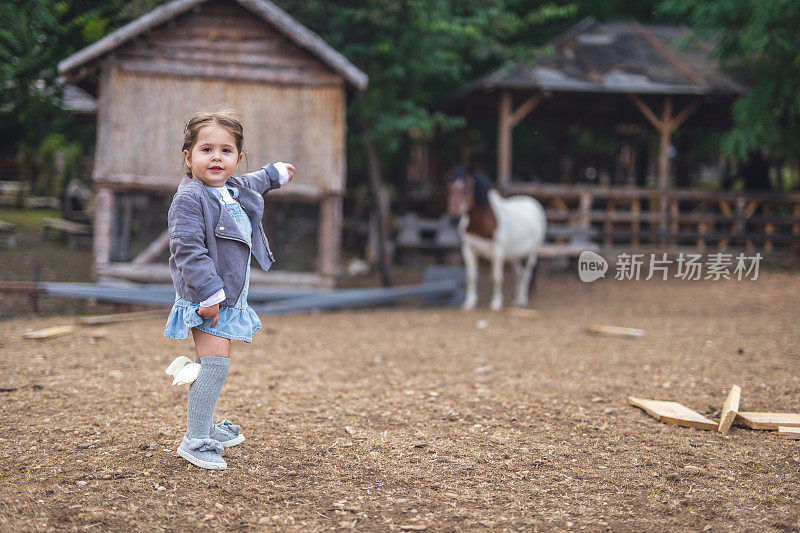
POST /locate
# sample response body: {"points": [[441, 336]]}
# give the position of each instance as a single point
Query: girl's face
{"points": [[214, 156]]}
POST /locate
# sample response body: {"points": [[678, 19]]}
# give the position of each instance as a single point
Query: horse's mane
{"points": [[482, 183]]}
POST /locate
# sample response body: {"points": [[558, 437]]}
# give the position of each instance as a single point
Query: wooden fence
{"points": [[682, 217]]}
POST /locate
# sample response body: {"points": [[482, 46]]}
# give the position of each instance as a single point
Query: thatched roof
{"points": [[266, 10], [616, 57]]}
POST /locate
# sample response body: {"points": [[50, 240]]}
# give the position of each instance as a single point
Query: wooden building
{"points": [[289, 87], [624, 74]]}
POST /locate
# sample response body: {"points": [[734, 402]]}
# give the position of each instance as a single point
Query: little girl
{"points": [[214, 228]]}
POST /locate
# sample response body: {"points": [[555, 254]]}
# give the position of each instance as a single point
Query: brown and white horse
{"points": [[495, 228]]}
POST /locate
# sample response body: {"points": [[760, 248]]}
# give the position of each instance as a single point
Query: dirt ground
{"points": [[411, 418]]}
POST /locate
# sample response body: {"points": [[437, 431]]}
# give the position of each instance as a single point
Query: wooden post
{"points": [[504, 128], [124, 218], [330, 233], [508, 118], [674, 224], [738, 224], [608, 225], [636, 212], [584, 223], [725, 209], [665, 126], [769, 227], [665, 133], [102, 227]]}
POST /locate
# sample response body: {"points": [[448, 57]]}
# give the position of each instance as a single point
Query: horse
{"points": [[495, 228]]}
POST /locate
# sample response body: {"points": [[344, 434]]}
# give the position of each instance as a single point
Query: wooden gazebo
{"points": [[289, 86], [607, 70], [628, 73]]}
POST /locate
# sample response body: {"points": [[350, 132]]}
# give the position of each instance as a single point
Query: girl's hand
{"points": [[290, 168], [210, 312]]}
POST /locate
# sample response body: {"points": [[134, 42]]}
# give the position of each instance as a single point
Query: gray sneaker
{"points": [[204, 453], [227, 433]]}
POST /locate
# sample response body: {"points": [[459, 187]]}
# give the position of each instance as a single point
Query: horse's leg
{"points": [[519, 270], [498, 262], [471, 264], [525, 282]]}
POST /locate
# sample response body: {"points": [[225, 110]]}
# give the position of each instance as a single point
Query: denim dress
{"points": [[238, 323]]}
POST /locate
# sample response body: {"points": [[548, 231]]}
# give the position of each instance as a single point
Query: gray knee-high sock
{"points": [[203, 395]]}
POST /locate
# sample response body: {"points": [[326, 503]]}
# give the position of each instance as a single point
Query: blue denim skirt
{"points": [[238, 323]]}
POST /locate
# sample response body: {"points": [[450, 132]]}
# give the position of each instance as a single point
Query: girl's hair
{"points": [[222, 116]]}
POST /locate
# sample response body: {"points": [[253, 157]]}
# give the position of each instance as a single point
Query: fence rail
{"points": [[700, 219]]}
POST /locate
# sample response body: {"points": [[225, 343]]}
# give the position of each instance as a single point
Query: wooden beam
{"points": [[730, 408], [523, 110], [666, 52], [231, 72], [504, 140], [664, 141], [646, 111], [684, 114], [153, 249]]}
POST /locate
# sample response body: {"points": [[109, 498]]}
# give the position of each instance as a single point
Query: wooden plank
{"points": [[673, 413], [232, 72], [789, 432], [122, 317], [772, 421], [730, 408], [615, 331], [50, 332]]}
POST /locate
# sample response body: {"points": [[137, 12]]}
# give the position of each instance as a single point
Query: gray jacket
{"points": [[207, 251]]}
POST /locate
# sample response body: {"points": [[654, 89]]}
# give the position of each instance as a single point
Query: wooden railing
{"points": [[683, 217]]}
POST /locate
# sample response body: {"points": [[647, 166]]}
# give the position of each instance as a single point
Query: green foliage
{"points": [[34, 36], [758, 40], [27, 70], [417, 52]]}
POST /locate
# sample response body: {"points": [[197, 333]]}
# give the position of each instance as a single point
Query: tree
{"points": [[28, 98], [759, 41], [415, 52]]}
